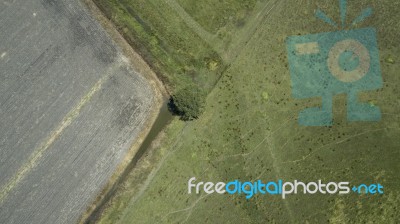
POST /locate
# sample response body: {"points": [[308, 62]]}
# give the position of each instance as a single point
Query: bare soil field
{"points": [[71, 107]]}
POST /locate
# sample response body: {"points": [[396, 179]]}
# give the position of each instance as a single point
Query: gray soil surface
{"points": [[70, 108]]}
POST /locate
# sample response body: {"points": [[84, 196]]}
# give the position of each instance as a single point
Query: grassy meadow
{"points": [[249, 130]]}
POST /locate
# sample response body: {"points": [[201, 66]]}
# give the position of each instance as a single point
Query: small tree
{"points": [[188, 102]]}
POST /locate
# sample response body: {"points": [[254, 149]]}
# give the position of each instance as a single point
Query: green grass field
{"points": [[216, 15], [174, 51], [249, 130]]}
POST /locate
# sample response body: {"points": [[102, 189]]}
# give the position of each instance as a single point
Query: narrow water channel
{"points": [[163, 118]]}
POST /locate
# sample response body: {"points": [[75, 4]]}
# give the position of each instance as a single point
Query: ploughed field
{"points": [[70, 108]]}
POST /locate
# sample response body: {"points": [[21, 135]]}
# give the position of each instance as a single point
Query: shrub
{"points": [[188, 102]]}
